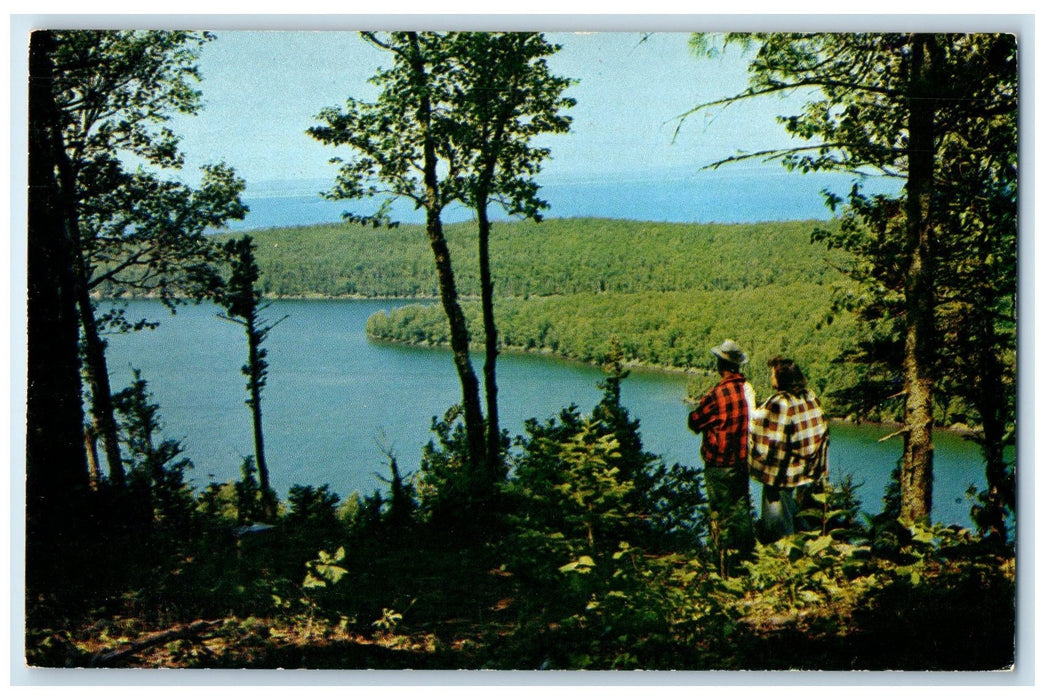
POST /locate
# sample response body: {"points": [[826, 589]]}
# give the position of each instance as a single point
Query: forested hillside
{"points": [[572, 287], [666, 329], [558, 256]]}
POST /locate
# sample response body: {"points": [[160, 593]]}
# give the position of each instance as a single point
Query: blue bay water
{"points": [[336, 402], [723, 196]]}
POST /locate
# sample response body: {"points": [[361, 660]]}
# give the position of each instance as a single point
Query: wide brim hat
{"points": [[730, 352]]}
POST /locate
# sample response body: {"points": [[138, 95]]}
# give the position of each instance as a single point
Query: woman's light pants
{"points": [[779, 509]]}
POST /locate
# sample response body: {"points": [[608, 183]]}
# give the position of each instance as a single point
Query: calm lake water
{"points": [[336, 401]]}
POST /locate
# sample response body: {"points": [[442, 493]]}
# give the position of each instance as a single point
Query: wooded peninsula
{"points": [[580, 288]]}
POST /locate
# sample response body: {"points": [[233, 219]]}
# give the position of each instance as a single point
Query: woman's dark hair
{"points": [[788, 376]]}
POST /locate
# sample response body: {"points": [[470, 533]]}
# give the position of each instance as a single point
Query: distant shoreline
{"points": [[737, 195], [957, 428]]}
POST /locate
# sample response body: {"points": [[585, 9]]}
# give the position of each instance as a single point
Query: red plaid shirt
{"points": [[722, 418], [788, 440]]}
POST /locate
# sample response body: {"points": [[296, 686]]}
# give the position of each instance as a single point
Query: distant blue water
{"points": [[740, 196]]}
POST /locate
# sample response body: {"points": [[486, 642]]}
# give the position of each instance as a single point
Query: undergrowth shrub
{"points": [[604, 543]]}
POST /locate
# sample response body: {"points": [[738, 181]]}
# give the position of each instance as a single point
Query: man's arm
{"points": [[705, 412]]}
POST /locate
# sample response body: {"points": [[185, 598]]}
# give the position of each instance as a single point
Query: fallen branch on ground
{"points": [[193, 629]]}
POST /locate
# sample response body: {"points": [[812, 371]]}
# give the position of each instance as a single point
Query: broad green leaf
{"points": [[819, 544], [331, 572], [582, 565]]}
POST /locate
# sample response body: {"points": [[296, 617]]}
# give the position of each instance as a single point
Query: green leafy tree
{"points": [[249, 498], [242, 302], [594, 470], [311, 520], [977, 177], [130, 229], [924, 108], [157, 464], [503, 96], [399, 147], [453, 123]]}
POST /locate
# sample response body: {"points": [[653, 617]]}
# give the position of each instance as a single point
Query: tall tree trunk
{"points": [[482, 203], [493, 430], [459, 338], [95, 365], [916, 478], [992, 406], [459, 343], [94, 471], [57, 478]]}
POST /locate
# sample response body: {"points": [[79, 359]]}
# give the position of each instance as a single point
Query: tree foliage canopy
{"points": [[141, 232], [130, 229], [453, 122], [490, 94], [937, 263]]}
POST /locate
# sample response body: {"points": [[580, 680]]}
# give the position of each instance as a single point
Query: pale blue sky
{"points": [[262, 90]]}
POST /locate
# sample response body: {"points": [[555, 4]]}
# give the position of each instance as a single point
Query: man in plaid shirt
{"points": [[788, 447], [721, 418]]}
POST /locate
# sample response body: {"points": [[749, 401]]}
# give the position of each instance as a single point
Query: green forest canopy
{"points": [[554, 257]]}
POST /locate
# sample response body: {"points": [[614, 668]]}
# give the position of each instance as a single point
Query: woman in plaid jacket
{"points": [[788, 447]]}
